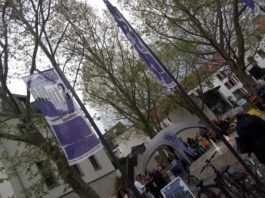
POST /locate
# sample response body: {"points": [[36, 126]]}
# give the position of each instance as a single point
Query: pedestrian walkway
{"points": [[223, 158]]}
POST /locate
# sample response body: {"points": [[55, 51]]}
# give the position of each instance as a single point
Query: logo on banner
{"points": [[66, 121], [177, 142]]}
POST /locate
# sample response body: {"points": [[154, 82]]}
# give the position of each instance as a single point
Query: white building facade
{"points": [[228, 85]]}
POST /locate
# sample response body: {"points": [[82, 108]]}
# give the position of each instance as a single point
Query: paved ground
{"points": [[223, 158]]}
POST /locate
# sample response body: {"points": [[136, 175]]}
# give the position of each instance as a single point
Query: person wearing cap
{"points": [[251, 135]]}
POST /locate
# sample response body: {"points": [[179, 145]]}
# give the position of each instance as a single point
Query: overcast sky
{"points": [[17, 86], [99, 4]]}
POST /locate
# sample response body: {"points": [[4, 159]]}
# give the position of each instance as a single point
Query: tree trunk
{"points": [[247, 81], [145, 126], [68, 173], [76, 182], [149, 130]]}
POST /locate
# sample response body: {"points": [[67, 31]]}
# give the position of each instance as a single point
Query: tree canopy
{"points": [[37, 35], [202, 28], [115, 79]]}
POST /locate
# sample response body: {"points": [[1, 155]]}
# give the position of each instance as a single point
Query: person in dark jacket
{"points": [[223, 125], [152, 187], [158, 177], [251, 130]]}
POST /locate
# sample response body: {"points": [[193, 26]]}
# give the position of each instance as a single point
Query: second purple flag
{"points": [[145, 53]]}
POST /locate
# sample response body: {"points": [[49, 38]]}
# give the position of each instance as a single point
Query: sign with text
{"points": [[62, 114], [176, 189]]}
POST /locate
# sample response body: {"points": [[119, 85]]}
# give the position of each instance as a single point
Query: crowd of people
{"points": [[178, 167], [149, 185], [257, 99], [125, 193], [250, 138], [200, 143], [205, 137]]}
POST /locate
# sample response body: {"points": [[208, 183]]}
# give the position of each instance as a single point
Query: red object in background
{"points": [[253, 99]]}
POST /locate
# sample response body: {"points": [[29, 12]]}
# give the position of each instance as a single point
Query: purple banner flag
{"points": [[256, 7], [250, 3], [144, 52], [62, 114]]}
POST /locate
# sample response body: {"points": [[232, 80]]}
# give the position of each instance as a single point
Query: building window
{"points": [[257, 72], [230, 83], [228, 86], [78, 170], [239, 93], [235, 79], [261, 53], [251, 60], [165, 123], [93, 160], [219, 76], [46, 174], [223, 74]]}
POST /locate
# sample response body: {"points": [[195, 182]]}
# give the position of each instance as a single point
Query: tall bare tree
{"points": [[114, 77], [31, 34]]}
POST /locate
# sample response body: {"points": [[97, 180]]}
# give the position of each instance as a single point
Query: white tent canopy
{"points": [[160, 140]]}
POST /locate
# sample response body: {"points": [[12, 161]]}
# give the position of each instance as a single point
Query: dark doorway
{"points": [[216, 102]]}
